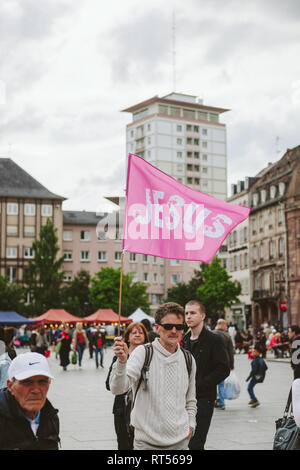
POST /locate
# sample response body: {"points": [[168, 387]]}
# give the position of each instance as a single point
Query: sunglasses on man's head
{"points": [[170, 326]]}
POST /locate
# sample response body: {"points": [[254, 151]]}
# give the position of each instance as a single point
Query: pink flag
{"points": [[168, 219]]}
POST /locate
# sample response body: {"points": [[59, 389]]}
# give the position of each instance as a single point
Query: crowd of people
{"points": [[167, 381]]}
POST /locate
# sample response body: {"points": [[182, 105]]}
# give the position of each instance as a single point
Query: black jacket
{"points": [[16, 432], [226, 338], [211, 361]]}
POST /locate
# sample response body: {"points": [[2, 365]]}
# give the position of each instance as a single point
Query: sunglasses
{"points": [[170, 326]]}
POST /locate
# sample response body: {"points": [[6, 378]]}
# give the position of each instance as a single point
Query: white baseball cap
{"points": [[28, 365]]}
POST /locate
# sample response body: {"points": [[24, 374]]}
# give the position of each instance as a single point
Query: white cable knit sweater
{"points": [[163, 414]]}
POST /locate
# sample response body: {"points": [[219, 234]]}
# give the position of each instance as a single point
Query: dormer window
{"points": [[272, 192], [263, 195], [281, 188], [255, 199]]}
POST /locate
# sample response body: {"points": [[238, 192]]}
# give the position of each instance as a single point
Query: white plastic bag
{"points": [[232, 388]]}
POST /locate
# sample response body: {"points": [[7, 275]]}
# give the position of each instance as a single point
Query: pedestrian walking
{"points": [[151, 333], [65, 339], [98, 342], [135, 335], [5, 360], [164, 407], [294, 337], [28, 421], [80, 342], [257, 375], [221, 330], [212, 368]]}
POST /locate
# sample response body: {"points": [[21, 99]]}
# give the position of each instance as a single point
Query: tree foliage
{"points": [[217, 290], [105, 287], [76, 295], [43, 276], [11, 296]]}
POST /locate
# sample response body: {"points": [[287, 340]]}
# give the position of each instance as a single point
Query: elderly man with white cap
{"points": [[28, 421]]}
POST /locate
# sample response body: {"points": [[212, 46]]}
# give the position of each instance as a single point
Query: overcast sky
{"points": [[68, 67]]}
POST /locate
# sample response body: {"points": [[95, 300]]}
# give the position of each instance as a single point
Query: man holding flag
{"points": [[164, 409], [167, 219]]}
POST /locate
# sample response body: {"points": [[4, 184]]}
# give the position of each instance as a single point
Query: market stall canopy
{"points": [[139, 315], [13, 318], [105, 316], [57, 316]]}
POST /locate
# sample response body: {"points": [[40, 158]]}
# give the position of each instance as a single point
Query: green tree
{"points": [[11, 296], [183, 292], [217, 291], [105, 287], [76, 295], [43, 276]]}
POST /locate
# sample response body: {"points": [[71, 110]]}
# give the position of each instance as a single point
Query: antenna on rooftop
{"points": [[174, 50]]}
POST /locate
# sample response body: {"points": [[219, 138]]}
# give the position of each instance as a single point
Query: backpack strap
{"points": [[145, 369], [188, 360]]}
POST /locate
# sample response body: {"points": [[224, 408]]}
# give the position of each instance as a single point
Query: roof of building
{"points": [[156, 98], [16, 182], [81, 217]]}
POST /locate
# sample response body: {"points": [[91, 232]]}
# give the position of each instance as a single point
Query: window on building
{"points": [[12, 230], [154, 260], [202, 116], [68, 277], [68, 256], [272, 192], [175, 111], [175, 262], [204, 144], [145, 258], [68, 235], [189, 154], [179, 155], [254, 254], [11, 273], [132, 257], [189, 167], [29, 231], [197, 180], [204, 157], [118, 256], [85, 256], [271, 219], [29, 209], [189, 113], [262, 252], [12, 208], [261, 223], [190, 180], [11, 252], [175, 278], [253, 226], [155, 278], [281, 247], [204, 169], [196, 154], [179, 128], [204, 131], [162, 109], [47, 210], [196, 128], [146, 277], [280, 216], [179, 141], [102, 256], [263, 195], [85, 235], [28, 253], [271, 249], [102, 236]]}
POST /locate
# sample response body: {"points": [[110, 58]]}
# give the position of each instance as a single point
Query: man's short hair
{"points": [[221, 321], [169, 307], [295, 329], [198, 303]]}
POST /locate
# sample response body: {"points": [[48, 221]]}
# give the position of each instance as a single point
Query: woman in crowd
{"points": [[135, 335], [65, 339], [80, 341]]}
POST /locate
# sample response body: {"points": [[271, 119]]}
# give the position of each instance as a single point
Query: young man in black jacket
{"points": [[212, 367]]}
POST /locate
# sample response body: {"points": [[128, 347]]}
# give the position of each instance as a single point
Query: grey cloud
{"points": [[139, 48], [29, 120]]}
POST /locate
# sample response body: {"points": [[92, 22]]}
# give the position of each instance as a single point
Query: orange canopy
{"points": [[105, 316], [57, 316]]}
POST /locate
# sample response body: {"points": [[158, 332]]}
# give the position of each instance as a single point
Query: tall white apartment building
{"points": [[184, 138]]}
